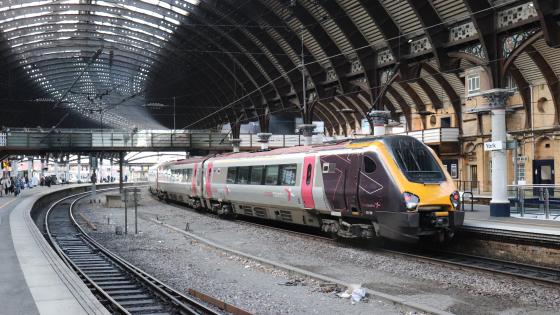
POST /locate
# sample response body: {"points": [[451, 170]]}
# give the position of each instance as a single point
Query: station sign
{"points": [[493, 146]]}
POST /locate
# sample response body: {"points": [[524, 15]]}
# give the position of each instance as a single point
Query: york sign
{"points": [[493, 146]]}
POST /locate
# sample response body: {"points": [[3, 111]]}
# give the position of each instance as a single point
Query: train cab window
{"points": [[415, 160], [243, 175], [369, 165], [256, 175], [231, 175], [288, 174], [271, 177]]}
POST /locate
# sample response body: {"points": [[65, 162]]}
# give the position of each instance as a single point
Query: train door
{"points": [[351, 182], [307, 182], [208, 186], [370, 185], [194, 180]]}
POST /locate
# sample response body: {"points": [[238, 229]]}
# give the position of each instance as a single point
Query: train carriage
{"points": [[393, 187]]}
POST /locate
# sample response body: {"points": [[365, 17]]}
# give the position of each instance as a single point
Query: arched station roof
{"points": [[137, 63]]}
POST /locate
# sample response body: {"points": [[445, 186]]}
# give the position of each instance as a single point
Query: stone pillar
{"points": [[15, 165], [41, 173], [67, 176], [307, 131], [235, 143], [30, 169], [499, 205], [56, 169], [379, 119], [263, 139]]}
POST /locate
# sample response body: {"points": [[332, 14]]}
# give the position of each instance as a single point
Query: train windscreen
{"points": [[415, 160]]}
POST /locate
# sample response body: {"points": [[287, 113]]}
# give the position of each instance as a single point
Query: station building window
{"points": [[473, 83], [521, 171]]}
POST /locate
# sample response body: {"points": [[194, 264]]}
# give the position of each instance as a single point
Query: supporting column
{"points": [[56, 169], [235, 143], [121, 160], [263, 139], [307, 131], [30, 170], [379, 119], [15, 168], [499, 205]]}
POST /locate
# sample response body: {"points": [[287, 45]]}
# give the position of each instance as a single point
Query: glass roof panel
{"points": [[54, 41]]}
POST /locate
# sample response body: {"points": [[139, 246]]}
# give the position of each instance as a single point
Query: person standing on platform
{"points": [[6, 185], [1, 186], [12, 185], [17, 187]]}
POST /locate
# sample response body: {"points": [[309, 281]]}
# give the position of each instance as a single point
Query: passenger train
{"points": [[392, 187]]}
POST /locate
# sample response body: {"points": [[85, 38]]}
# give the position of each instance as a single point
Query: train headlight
{"points": [[411, 201], [455, 199]]}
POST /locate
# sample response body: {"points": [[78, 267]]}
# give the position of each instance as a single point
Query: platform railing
{"points": [[537, 200], [471, 186]]}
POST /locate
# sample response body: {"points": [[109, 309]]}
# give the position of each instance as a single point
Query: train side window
{"points": [[257, 175], [231, 175], [271, 177], [369, 165], [288, 175], [189, 175], [243, 175], [308, 175]]}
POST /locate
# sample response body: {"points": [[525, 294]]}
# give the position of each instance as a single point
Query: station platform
{"points": [[480, 219], [33, 279]]}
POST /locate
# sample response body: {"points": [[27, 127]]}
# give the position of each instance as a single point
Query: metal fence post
{"points": [[135, 211], [546, 203], [125, 212], [522, 201]]}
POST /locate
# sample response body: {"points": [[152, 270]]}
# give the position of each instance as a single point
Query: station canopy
{"points": [[201, 63]]}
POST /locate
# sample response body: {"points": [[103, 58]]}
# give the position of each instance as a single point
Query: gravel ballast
{"points": [[265, 290]]}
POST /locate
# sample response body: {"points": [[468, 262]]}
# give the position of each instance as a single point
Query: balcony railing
{"points": [[98, 139], [436, 135]]}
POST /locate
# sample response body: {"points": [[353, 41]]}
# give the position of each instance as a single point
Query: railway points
{"points": [[404, 152]]}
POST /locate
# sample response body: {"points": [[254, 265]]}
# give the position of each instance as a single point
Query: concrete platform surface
{"points": [[481, 218], [33, 279]]}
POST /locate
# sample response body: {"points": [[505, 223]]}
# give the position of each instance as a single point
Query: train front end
{"points": [[428, 206]]}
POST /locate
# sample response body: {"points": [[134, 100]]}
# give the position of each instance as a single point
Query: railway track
{"points": [[547, 275], [120, 286], [542, 274], [464, 261]]}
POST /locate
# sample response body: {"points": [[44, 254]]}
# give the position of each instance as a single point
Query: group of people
{"points": [[13, 185], [46, 181]]}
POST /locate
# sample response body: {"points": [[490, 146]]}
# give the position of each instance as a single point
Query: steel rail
{"points": [[168, 298], [520, 270], [525, 271]]}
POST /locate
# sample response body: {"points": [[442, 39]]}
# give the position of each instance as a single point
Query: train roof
{"points": [[342, 144]]}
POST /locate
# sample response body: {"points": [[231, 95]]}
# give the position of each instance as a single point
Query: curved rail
{"points": [[79, 249]]}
